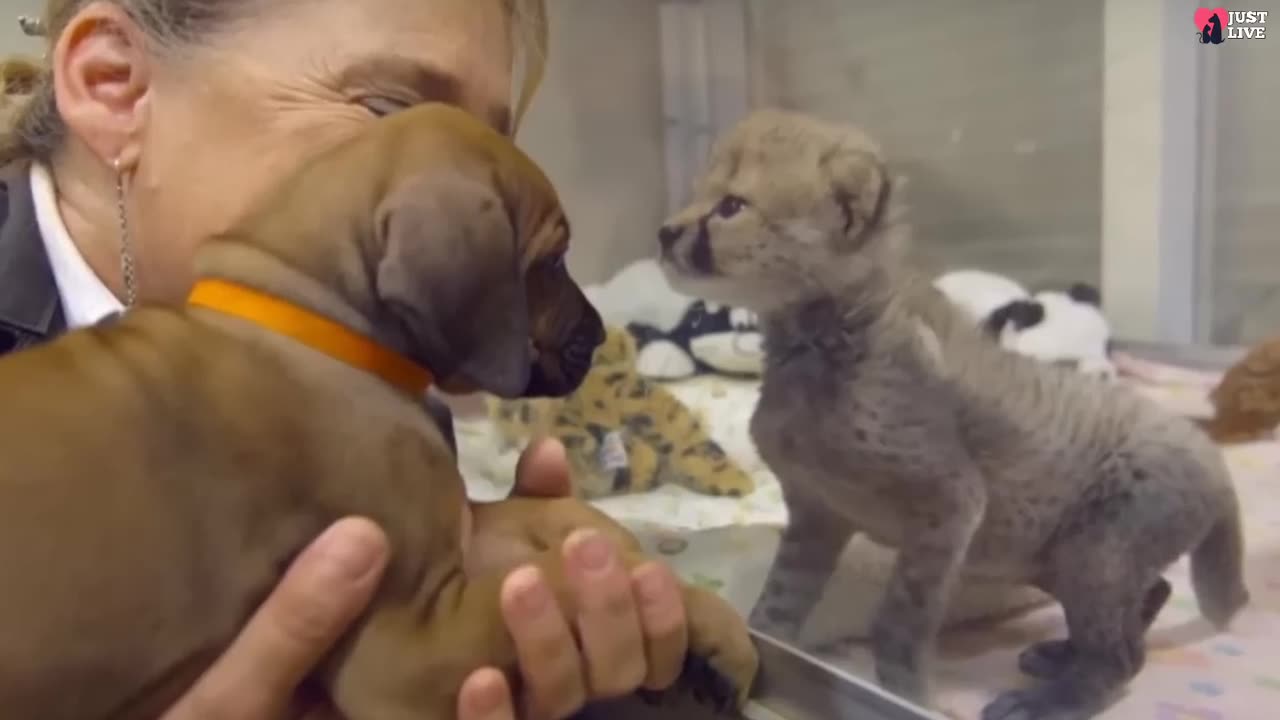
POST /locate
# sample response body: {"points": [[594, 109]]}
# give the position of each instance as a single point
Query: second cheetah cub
{"points": [[884, 411]]}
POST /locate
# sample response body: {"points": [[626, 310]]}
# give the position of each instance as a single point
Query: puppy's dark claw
{"points": [[653, 698], [701, 681], [708, 685]]}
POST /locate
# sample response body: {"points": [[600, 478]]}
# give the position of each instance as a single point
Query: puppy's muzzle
{"points": [[557, 373]]}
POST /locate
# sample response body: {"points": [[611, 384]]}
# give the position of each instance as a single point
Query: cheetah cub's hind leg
{"points": [[1049, 659], [1108, 609]]}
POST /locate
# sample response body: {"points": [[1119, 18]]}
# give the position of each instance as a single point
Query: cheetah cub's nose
{"points": [[668, 235]]}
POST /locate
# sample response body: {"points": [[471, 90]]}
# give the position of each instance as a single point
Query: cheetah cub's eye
{"points": [[730, 205]]}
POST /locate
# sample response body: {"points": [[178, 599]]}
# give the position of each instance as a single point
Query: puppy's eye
{"points": [[381, 106], [730, 205], [557, 262]]}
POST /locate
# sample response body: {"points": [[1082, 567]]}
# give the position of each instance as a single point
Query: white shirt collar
{"points": [[85, 298]]}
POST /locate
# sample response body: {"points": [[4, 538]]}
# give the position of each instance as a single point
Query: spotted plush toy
{"points": [[624, 433]]}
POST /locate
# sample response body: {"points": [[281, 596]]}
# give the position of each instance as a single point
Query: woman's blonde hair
{"points": [[34, 129]]}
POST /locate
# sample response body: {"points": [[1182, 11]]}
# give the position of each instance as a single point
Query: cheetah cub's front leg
{"points": [[943, 504], [807, 554]]}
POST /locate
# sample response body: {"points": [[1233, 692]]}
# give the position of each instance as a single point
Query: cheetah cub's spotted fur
{"points": [[884, 411]]}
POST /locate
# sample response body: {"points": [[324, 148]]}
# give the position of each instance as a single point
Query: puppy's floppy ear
{"points": [[449, 272], [860, 186]]}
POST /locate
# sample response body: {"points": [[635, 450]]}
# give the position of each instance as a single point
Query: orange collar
{"points": [[312, 330]]}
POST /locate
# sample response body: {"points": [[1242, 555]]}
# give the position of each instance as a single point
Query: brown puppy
{"points": [[188, 454], [1247, 400]]}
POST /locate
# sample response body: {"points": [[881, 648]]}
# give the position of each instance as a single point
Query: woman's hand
{"points": [[627, 625], [631, 625]]}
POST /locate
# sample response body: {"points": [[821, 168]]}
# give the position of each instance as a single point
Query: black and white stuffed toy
{"points": [[978, 292], [678, 336], [1064, 327], [708, 338]]}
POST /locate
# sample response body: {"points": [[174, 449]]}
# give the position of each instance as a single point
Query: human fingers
{"points": [[548, 656], [663, 621], [608, 622], [543, 470]]}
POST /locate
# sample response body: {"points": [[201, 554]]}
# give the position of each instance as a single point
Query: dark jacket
{"points": [[30, 307], [30, 310]]}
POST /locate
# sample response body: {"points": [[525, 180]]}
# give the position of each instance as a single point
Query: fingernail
{"points": [[592, 552], [531, 594], [488, 697], [350, 550]]}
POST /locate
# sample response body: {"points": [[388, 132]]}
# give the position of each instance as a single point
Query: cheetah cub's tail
{"points": [[1217, 567]]}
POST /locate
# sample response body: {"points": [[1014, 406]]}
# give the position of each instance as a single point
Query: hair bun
{"points": [[19, 75]]}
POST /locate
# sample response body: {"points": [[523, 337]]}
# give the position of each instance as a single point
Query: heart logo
{"points": [[1203, 15]]}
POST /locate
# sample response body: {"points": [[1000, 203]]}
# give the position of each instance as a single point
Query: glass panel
{"points": [[1246, 195], [993, 115]]}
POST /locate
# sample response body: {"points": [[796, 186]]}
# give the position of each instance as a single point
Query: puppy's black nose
{"points": [[668, 235]]}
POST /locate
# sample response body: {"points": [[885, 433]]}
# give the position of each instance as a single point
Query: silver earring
{"points": [[31, 26], [126, 249]]}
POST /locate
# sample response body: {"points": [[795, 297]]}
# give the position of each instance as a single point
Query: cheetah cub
{"points": [[884, 411]]}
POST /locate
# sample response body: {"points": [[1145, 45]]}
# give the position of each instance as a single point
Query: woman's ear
{"points": [[102, 80]]}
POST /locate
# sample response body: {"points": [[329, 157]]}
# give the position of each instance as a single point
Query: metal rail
{"points": [[793, 685]]}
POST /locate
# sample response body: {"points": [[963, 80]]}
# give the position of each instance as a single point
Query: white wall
{"points": [[11, 38], [596, 127]]}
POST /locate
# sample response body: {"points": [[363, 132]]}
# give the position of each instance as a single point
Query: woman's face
{"points": [[225, 123]]}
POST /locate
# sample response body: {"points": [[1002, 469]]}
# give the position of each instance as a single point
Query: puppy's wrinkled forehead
{"points": [[439, 138], [536, 205], [777, 158]]}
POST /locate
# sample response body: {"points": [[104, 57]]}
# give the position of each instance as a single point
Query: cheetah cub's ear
{"points": [[860, 187]]}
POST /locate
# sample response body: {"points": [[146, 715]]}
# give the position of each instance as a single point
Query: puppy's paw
{"points": [[704, 683], [722, 662]]}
